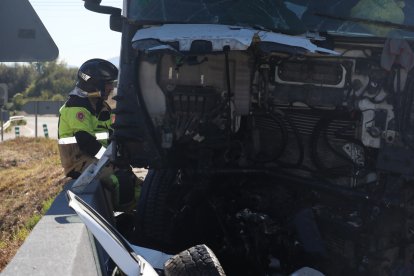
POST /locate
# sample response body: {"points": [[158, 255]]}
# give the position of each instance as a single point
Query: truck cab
{"points": [[279, 133]]}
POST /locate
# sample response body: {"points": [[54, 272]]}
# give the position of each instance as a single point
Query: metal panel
{"points": [[25, 38], [42, 107], [6, 115]]}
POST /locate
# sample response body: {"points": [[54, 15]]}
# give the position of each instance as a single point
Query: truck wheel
{"points": [[153, 220], [197, 260]]}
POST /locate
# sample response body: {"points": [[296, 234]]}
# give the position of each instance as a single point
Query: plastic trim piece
{"points": [[237, 38]]}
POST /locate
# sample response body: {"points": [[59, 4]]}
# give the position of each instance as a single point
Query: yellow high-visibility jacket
{"points": [[83, 133]]}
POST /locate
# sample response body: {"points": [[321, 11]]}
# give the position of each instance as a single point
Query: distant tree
{"points": [[37, 81], [53, 78], [17, 101], [17, 77], [58, 97]]}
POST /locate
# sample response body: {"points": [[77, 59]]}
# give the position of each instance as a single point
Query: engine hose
{"points": [[408, 100], [298, 140], [290, 179], [398, 103], [226, 50]]}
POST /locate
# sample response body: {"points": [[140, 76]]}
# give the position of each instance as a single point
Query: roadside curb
{"points": [[60, 244]]}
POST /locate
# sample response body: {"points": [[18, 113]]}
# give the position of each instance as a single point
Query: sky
{"points": [[79, 33]]}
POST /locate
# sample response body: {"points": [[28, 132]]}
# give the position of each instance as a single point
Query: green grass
{"points": [[23, 232], [31, 223], [46, 204]]}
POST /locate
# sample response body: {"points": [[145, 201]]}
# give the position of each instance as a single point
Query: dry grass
{"points": [[30, 178]]}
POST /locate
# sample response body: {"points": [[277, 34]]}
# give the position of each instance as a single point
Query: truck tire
{"points": [[198, 260], [153, 219]]}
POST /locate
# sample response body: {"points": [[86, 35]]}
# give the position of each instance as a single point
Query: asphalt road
{"points": [[29, 130]]}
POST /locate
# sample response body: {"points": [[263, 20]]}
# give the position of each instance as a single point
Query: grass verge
{"points": [[30, 179]]}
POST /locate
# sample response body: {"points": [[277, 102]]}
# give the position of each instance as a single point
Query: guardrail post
{"points": [[45, 130], [17, 131]]}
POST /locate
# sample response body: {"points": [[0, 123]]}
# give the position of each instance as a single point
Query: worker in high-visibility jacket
{"points": [[84, 128]]}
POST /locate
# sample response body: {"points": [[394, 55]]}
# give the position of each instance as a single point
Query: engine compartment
{"points": [[286, 160], [333, 115]]}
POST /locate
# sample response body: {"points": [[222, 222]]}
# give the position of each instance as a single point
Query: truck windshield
{"points": [[379, 18]]}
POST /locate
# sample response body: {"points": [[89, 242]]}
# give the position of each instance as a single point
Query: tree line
{"points": [[36, 81]]}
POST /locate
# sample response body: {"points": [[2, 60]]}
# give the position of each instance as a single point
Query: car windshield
{"points": [[379, 18]]}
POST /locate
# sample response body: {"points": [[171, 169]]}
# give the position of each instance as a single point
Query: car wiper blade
{"points": [[156, 22], [368, 21], [272, 30]]}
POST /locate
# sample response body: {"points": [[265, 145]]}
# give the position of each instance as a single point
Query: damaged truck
{"points": [[279, 133]]}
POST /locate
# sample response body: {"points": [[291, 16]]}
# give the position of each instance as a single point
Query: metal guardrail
{"points": [[16, 118], [13, 118]]}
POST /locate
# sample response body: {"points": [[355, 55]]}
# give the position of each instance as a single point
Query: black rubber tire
{"points": [[153, 220], [198, 260]]}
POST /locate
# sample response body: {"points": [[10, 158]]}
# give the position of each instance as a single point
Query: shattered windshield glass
{"points": [[379, 18]]}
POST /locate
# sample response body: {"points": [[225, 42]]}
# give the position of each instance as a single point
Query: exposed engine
{"points": [[297, 159], [335, 116]]}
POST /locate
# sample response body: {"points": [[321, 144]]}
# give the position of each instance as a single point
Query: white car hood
{"points": [[237, 38], [131, 259]]}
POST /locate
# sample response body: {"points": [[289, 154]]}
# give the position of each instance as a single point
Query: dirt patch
{"points": [[30, 175]]}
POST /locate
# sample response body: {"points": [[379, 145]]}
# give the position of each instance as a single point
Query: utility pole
{"points": [[1, 118], [3, 101], [1, 121], [36, 111]]}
